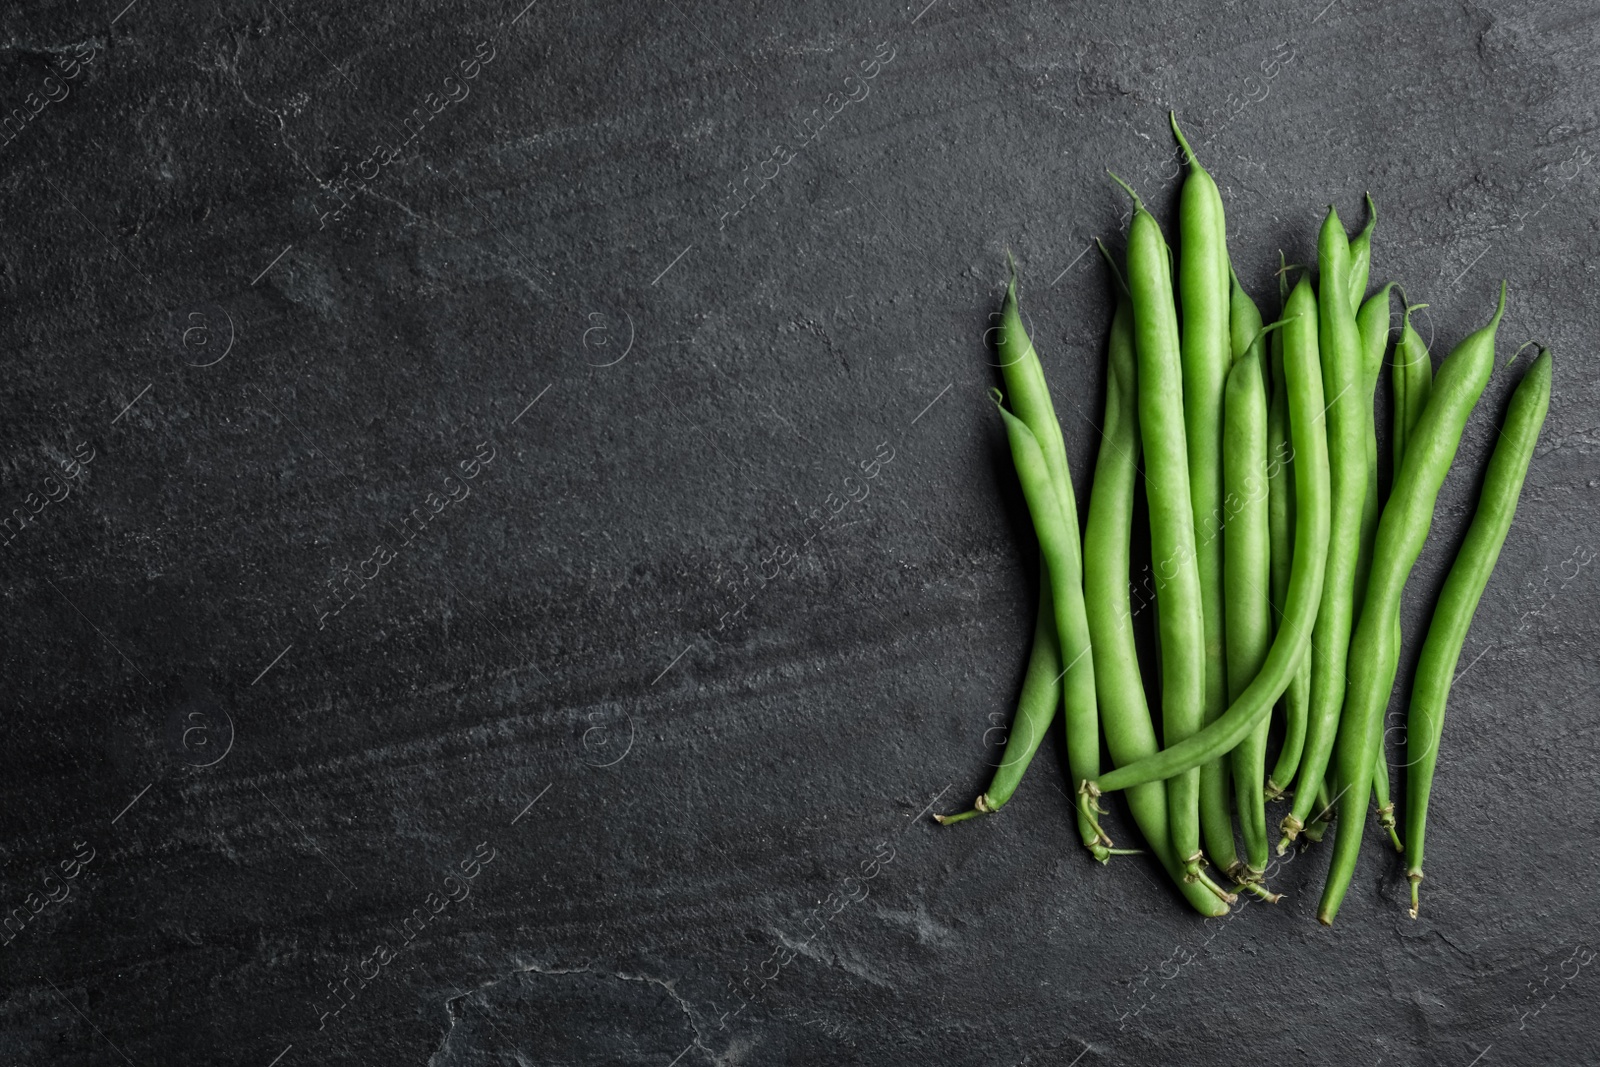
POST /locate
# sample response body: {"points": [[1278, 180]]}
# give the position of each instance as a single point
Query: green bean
{"points": [[1280, 524], [1036, 709], [1341, 374], [1030, 397], [1166, 467], [1023, 374], [1247, 611], [1124, 712], [1206, 354], [1413, 381], [1458, 601], [1306, 423], [1372, 322], [1401, 532]]}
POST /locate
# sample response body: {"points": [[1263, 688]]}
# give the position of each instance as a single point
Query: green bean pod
{"points": [[1124, 712], [1030, 398], [1041, 693], [1307, 430], [1401, 532], [1247, 568], [1372, 322], [1280, 527], [1206, 353], [1179, 623], [1036, 709], [1458, 601], [1347, 455]]}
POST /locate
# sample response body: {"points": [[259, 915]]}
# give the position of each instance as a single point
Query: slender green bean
{"points": [[1458, 601], [1372, 322], [1280, 524], [1041, 693], [1172, 543], [1124, 712], [1413, 381], [1206, 355], [1307, 428], [1247, 611], [1030, 397], [1401, 532], [1341, 374]]}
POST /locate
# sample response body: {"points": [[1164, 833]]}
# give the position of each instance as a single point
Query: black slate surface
{"points": [[715, 575]]}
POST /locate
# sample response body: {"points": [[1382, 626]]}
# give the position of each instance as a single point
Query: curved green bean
{"points": [[1172, 543], [1306, 422], [1024, 378], [1041, 693], [1124, 712], [1401, 532], [1347, 453], [1413, 381], [1206, 354], [1458, 601]]}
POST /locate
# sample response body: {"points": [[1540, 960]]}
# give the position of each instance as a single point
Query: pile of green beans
{"points": [[1279, 565]]}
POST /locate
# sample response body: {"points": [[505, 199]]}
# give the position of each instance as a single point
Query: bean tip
{"points": [[1183, 142], [1137, 202]]}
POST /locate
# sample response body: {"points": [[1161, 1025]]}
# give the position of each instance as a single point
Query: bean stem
{"points": [[1247, 609], [1280, 525]]}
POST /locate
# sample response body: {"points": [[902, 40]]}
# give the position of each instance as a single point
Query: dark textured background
{"points": [[709, 754]]}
